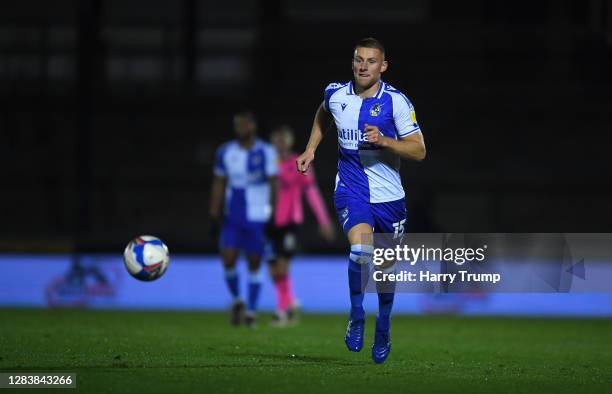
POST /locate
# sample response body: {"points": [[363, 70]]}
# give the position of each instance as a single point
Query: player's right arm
{"points": [[216, 202], [217, 194], [216, 197], [321, 123]]}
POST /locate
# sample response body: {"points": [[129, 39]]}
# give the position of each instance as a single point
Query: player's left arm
{"points": [[271, 168], [408, 142], [273, 181], [270, 226], [410, 147]]}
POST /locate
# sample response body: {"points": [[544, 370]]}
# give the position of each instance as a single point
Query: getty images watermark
{"points": [[411, 256], [488, 263]]}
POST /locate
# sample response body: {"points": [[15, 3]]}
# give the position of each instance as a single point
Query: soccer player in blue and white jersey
{"points": [[245, 172], [376, 126]]}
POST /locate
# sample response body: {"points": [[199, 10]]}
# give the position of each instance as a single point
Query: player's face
{"points": [[368, 65], [244, 126], [282, 141]]}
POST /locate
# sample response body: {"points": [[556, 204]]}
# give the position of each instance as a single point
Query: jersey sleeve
{"points": [[404, 116], [219, 164], [271, 161], [329, 91]]}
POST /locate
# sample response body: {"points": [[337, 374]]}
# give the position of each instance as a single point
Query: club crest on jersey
{"points": [[375, 110]]}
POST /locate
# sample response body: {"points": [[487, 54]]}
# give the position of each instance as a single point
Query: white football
{"points": [[146, 258]]}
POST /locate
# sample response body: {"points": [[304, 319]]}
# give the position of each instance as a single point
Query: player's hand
{"points": [[328, 233], [303, 162], [374, 136]]}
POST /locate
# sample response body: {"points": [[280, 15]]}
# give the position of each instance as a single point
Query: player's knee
{"points": [[254, 261], [387, 267], [229, 258], [361, 254], [360, 234]]}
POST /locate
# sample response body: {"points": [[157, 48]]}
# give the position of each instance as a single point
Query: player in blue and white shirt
{"points": [[245, 172], [376, 126]]}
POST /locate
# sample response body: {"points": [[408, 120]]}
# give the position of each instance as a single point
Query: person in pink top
{"points": [[288, 215]]}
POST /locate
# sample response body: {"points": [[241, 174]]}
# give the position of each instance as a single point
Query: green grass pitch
{"points": [[198, 352]]}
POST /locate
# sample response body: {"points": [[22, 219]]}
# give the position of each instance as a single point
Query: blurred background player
{"points": [[245, 171], [288, 215], [376, 126]]}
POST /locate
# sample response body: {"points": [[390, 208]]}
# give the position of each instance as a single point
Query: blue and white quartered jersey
{"points": [[365, 171], [247, 195]]}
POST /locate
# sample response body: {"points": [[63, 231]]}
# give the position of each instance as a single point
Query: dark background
{"points": [[110, 110]]}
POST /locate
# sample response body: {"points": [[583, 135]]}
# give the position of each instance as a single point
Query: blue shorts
{"points": [[247, 236], [384, 217]]}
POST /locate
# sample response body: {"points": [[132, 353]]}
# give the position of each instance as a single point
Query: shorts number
{"points": [[398, 228]]}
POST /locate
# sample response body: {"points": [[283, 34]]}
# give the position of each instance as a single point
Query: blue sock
{"points": [[386, 294], [231, 278], [254, 290], [385, 303], [359, 258]]}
